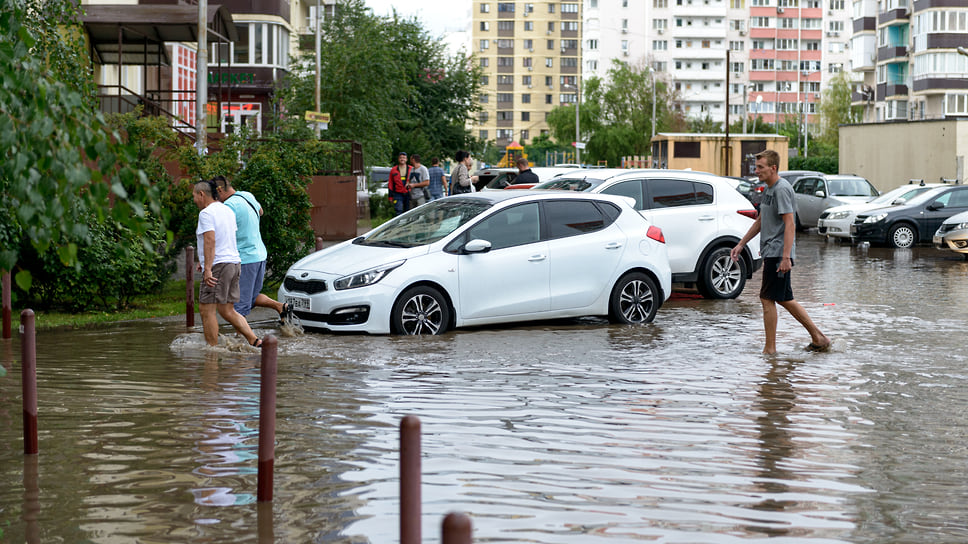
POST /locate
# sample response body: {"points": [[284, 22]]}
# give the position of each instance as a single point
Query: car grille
{"points": [[310, 287]]}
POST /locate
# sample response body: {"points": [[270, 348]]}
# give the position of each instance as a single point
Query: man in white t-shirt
{"points": [[219, 261]]}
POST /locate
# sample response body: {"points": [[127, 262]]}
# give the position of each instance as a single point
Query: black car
{"points": [[912, 222], [750, 187]]}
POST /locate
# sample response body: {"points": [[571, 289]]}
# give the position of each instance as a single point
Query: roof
{"points": [[143, 29]]}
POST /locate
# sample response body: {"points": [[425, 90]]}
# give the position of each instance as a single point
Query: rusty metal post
{"points": [[28, 348], [189, 286], [319, 243], [7, 305], [456, 529], [410, 480], [267, 418]]}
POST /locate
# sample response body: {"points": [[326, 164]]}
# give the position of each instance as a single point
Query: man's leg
{"points": [[264, 301], [800, 314], [229, 314], [769, 325], [209, 323]]}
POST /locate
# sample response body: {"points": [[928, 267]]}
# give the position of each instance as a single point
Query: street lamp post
{"points": [[577, 115]]}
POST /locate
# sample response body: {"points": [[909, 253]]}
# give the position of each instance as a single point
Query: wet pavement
{"points": [[571, 431]]}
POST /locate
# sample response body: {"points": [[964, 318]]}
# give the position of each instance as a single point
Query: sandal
{"points": [[286, 313], [819, 347], [257, 343]]}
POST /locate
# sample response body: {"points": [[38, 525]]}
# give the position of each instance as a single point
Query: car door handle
{"points": [[613, 245], [537, 258], [707, 218]]}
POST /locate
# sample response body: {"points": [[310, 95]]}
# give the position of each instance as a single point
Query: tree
{"points": [[835, 108], [62, 170], [616, 114], [388, 85]]}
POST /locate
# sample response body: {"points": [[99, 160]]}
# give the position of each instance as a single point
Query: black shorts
{"points": [[775, 287]]}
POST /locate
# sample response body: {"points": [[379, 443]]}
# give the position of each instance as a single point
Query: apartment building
{"points": [[250, 47], [530, 53], [907, 54]]}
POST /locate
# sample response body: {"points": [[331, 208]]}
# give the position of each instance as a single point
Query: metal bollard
{"points": [[456, 529], [189, 286], [267, 418], [28, 348], [7, 305], [410, 480], [319, 243]]}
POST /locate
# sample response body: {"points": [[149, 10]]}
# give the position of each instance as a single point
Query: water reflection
{"points": [[564, 432]]}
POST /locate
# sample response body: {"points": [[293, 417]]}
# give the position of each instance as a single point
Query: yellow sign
{"points": [[317, 117]]}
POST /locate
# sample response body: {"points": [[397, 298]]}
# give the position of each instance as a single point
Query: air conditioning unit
{"points": [[779, 10], [661, 31], [529, 86], [830, 12], [742, 32], [625, 53], [531, 49], [550, 32], [625, 31], [530, 68]]}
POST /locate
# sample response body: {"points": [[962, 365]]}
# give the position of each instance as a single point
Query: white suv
{"points": [[700, 214]]}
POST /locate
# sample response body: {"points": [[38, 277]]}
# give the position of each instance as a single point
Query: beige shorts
{"points": [[226, 291]]}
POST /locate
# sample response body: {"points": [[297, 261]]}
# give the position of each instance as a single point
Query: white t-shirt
{"points": [[219, 218]]}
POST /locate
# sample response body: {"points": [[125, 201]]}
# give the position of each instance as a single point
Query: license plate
{"points": [[298, 303]]}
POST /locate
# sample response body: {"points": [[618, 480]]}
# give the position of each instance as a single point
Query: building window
{"points": [[569, 44], [660, 3], [526, 98], [569, 26], [483, 98], [524, 136], [549, 62], [505, 26], [737, 4], [551, 44], [526, 62], [505, 134], [551, 27], [505, 97], [736, 45], [483, 134], [549, 99], [485, 44], [505, 80], [505, 7], [567, 98], [591, 65], [485, 26], [485, 62], [505, 116], [529, 8], [551, 8], [505, 44], [569, 62], [505, 61], [525, 80], [485, 8], [525, 116], [569, 8], [482, 116], [592, 45], [736, 67], [528, 44], [529, 25], [660, 45], [485, 80]]}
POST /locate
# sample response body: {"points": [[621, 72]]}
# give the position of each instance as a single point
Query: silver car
{"points": [[815, 194], [953, 234]]}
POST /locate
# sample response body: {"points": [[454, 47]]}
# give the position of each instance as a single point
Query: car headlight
{"points": [[366, 277], [961, 226], [838, 215], [875, 218]]}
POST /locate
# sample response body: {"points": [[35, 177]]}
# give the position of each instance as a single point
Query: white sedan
{"points": [[483, 258]]}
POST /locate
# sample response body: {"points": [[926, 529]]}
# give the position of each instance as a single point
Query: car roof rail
{"points": [[912, 180], [949, 180]]}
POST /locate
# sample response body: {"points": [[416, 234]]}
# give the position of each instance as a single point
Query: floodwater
{"points": [[564, 432]]}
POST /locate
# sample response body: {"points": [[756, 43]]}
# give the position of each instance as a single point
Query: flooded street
{"points": [[565, 432]]}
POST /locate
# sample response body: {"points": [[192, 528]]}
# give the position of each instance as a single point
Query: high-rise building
{"points": [[908, 55], [530, 53]]}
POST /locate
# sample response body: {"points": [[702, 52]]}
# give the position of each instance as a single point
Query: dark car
{"points": [[485, 176], [750, 187], [912, 222], [793, 175]]}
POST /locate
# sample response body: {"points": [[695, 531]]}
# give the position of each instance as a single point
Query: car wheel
{"points": [[797, 223], [420, 310], [902, 235], [634, 300], [721, 276]]}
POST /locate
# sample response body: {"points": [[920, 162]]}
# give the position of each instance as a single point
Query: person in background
{"points": [[777, 229], [252, 250], [525, 174], [397, 184], [218, 258], [438, 180], [419, 180], [461, 181]]}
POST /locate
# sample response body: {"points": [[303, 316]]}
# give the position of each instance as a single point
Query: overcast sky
{"points": [[437, 16]]}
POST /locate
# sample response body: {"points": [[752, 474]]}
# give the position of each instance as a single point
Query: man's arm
{"points": [[789, 235], [753, 231], [208, 239]]}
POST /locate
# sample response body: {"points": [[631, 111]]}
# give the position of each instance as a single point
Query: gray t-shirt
{"points": [[777, 200]]}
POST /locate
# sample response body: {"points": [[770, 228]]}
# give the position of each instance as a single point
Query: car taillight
{"points": [[759, 189], [656, 234], [748, 213]]}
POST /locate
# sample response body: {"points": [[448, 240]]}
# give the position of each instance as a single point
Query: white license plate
{"points": [[298, 303]]}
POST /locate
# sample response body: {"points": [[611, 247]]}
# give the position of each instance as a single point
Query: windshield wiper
{"points": [[388, 243]]}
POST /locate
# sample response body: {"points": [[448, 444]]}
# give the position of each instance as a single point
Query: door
{"points": [[809, 205], [237, 115], [512, 278], [584, 247], [688, 219]]}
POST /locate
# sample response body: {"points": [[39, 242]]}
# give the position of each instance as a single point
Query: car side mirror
{"points": [[821, 194], [936, 206], [898, 201], [477, 246]]}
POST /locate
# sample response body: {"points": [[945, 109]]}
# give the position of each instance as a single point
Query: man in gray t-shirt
{"points": [[777, 229]]}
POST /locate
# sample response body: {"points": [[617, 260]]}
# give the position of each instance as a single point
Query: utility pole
{"points": [[201, 78], [318, 61]]}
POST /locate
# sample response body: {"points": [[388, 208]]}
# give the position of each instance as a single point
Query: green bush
{"points": [[826, 164]]}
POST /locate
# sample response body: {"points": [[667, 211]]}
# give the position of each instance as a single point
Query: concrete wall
{"points": [[891, 154]]}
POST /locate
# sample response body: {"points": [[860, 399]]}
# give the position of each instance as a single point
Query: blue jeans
{"points": [[250, 285], [401, 202]]}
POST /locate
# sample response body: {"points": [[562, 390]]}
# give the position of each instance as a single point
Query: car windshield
{"points": [[426, 224], [925, 196], [906, 192], [569, 184], [851, 187]]}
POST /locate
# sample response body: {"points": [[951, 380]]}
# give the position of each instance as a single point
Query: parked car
{"points": [[750, 187], [493, 174], [378, 179], [793, 176], [915, 221], [483, 258], [835, 222], [701, 215], [544, 173], [815, 194], [953, 233], [501, 181]]}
